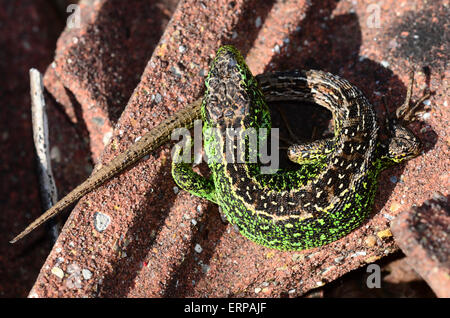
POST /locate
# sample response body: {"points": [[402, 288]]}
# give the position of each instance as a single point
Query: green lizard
{"points": [[333, 189], [329, 194]]}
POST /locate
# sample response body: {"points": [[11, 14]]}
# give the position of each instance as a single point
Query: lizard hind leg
{"points": [[187, 179], [406, 112]]}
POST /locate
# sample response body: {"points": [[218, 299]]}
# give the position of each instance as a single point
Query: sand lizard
{"points": [[330, 193]]}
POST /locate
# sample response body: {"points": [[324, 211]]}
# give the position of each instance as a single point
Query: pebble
{"points": [[73, 269], [388, 216], [326, 270], [321, 283], [370, 241], [384, 234], [276, 49], [198, 248], [107, 137], [101, 221], [426, 116], [55, 154], [175, 71], [339, 259], [58, 272], [99, 121], [258, 22], [395, 206], [181, 49], [359, 253], [87, 274], [158, 98]]}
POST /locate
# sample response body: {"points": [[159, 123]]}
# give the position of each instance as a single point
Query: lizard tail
{"points": [[148, 143]]}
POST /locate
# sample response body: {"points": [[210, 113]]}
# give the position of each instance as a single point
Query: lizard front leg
{"points": [[187, 179]]}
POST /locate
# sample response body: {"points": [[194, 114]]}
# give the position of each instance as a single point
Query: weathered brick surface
{"points": [[151, 247], [423, 234], [101, 61]]}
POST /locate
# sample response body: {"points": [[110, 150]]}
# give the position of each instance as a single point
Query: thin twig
{"points": [[47, 185]]}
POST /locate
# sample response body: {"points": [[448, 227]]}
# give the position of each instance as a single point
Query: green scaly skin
{"points": [[333, 189]]}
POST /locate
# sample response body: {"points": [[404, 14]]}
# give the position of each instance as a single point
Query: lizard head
{"points": [[401, 144], [232, 92]]}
